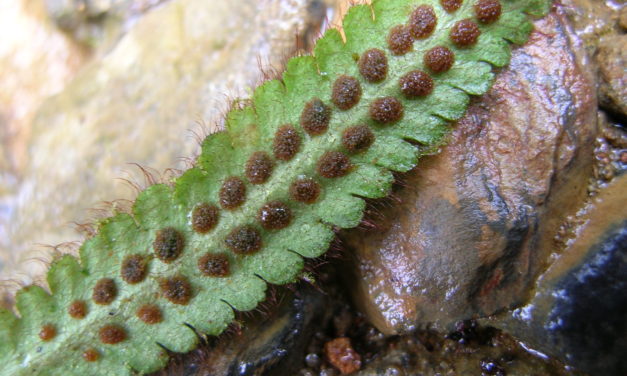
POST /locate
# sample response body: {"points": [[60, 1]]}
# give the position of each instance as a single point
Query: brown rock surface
{"points": [[612, 60], [579, 307], [466, 239]]}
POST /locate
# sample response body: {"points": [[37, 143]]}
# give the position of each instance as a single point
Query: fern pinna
{"points": [[294, 163]]}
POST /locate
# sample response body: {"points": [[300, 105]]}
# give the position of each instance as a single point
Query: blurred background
{"points": [[90, 87]]}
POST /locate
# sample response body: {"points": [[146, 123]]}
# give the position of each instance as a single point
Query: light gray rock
{"points": [[166, 83]]}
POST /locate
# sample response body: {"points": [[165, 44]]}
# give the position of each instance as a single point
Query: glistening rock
{"points": [[579, 309], [477, 221]]}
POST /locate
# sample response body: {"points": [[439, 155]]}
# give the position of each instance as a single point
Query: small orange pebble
{"points": [[342, 356]]}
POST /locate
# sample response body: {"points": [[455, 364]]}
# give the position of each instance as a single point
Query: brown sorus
{"points": [[214, 265], [334, 164], [244, 240], [232, 193], [286, 143], [274, 215], [47, 332], [400, 41], [358, 138], [488, 11], [78, 309], [451, 5], [439, 59], [305, 190], [373, 65], [176, 289], [386, 110], [90, 355], [133, 269], [465, 33], [205, 217], [168, 244], [150, 314], [105, 291], [315, 117], [416, 84], [259, 167], [346, 92], [112, 334], [422, 22]]}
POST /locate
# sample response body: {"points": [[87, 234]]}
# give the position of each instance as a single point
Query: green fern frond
{"points": [[294, 164]]}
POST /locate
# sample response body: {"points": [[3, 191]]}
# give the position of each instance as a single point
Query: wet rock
{"points": [[579, 310], [590, 20], [270, 344], [147, 101], [477, 221], [610, 154], [428, 353], [612, 60]]}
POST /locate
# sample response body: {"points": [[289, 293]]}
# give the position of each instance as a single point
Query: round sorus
{"points": [[244, 240], [373, 65], [346, 92], [47, 332], [400, 41], [168, 244], [259, 167], [133, 269], [78, 309], [105, 291], [305, 190], [274, 215], [286, 143], [150, 314], [451, 5], [232, 193], [315, 117], [90, 355], [358, 138], [386, 110], [112, 334], [214, 265], [439, 59], [464, 33], [205, 217], [422, 22], [416, 84], [488, 11], [334, 164], [177, 289]]}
